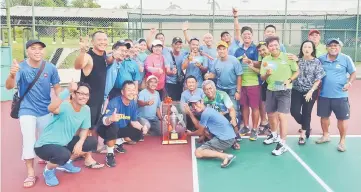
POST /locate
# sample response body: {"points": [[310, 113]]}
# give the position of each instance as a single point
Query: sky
{"points": [[311, 5]]}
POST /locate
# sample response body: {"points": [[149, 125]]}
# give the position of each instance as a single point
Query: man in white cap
{"points": [[149, 106]]}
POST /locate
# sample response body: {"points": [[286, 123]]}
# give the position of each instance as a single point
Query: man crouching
{"points": [[221, 131]]}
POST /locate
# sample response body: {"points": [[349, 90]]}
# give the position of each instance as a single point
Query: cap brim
{"points": [[334, 41], [37, 42], [179, 41]]}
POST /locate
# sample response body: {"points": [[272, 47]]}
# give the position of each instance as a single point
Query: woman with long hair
{"points": [[304, 88]]}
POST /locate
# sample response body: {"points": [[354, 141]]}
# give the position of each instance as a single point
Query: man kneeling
{"points": [[57, 144], [223, 136]]}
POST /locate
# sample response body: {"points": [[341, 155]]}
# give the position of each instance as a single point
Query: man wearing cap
{"points": [[195, 63], [149, 107], [279, 72], [120, 121], [334, 91], [228, 74], [126, 69], [315, 36], [247, 54], [174, 83], [221, 131], [155, 64], [33, 112]]}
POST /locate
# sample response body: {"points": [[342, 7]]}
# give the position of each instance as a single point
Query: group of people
{"points": [[120, 93]]}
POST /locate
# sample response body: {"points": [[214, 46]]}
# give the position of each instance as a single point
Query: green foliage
{"points": [[68, 32], [85, 4]]}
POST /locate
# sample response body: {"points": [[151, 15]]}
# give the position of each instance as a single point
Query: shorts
{"points": [[278, 101], [250, 96], [216, 144], [31, 128], [113, 132], [340, 106], [264, 91], [59, 155]]}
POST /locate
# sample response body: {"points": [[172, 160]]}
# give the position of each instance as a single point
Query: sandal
{"points": [[323, 140], [230, 159], [236, 146], [301, 141], [30, 179], [95, 165]]}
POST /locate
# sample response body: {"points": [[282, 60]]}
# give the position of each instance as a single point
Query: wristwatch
{"points": [[290, 80]]}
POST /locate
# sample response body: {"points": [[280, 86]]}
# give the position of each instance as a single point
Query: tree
{"points": [[173, 6], [84, 4]]}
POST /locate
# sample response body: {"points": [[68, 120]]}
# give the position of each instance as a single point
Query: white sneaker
{"points": [[280, 149], [270, 139]]}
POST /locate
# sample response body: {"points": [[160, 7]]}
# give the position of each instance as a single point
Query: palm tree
{"points": [[173, 6], [216, 4]]}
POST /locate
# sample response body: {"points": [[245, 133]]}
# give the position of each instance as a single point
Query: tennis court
{"points": [[311, 168]]}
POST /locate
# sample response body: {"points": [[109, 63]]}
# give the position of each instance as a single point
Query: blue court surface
{"points": [[308, 168]]}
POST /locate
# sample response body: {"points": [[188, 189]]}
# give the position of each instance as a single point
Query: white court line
{"points": [[312, 173], [194, 165], [319, 180], [292, 136]]}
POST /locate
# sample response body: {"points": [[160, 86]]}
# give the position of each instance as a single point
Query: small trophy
{"points": [[173, 121]]}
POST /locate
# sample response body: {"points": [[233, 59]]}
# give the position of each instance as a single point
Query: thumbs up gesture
{"points": [[115, 117], [72, 86], [84, 44], [14, 68]]}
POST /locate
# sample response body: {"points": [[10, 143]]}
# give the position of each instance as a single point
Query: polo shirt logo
{"points": [[284, 62], [338, 66], [45, 75]]}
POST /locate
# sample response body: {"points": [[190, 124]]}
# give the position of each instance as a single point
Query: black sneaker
{"points": [[110, 160], [119, 148]]}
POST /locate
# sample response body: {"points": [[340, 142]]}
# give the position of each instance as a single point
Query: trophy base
{"points": [[174, 136]]}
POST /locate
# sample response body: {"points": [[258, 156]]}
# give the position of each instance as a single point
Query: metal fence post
{"points": [[213, 19], [357, 27], [8, 22], [284, 24], [33, 15], [141, 18]]}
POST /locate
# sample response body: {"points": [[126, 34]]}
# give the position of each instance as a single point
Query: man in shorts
{"points": [[219, 128], [334, 91], [279, 72]]}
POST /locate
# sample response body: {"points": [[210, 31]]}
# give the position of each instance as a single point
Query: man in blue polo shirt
{"points": [[227, 71], [120, 121], [221, 131], [247, 54], [334, 91]]}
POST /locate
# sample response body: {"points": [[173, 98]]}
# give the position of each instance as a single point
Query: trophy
{"points": [[173, 122]]}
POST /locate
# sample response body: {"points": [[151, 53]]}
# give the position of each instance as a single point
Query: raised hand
{"points": [[235, 11], [115, 117], [84, 44], [14, 68], [72, 86], [185, 26]]}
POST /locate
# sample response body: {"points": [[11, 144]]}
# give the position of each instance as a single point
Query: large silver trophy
{"points": [[173, 120]]}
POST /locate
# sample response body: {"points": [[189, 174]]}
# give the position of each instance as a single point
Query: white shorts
{"points": [[31, 127]]}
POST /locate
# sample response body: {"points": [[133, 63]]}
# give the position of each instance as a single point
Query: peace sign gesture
{"points": [[84, 44]]}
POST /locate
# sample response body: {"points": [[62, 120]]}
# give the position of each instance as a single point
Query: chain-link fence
{"points": [[61, 28]]}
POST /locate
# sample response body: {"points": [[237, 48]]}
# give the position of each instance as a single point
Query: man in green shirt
{"points": [[279, 72], [315, 36]]}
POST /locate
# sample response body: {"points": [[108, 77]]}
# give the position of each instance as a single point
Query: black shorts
{"points": [[264, 91], [339, 106], [59, 155], [113, 132]]}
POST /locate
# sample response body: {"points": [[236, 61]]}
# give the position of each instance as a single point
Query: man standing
{"points": [[279, 72], [223, 135], [173, 85], [120, 121], [93, 66], [57, 144], [334, 91], [250, 96], [33, 113], [315, 36], [228, 73]]}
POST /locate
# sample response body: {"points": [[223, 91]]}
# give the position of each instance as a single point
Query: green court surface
{"points": [[311, 168]]}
